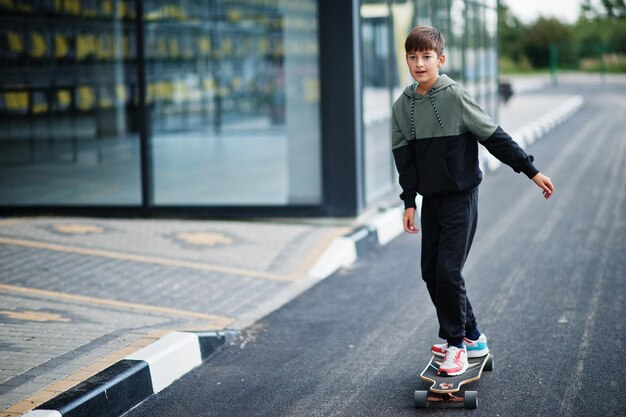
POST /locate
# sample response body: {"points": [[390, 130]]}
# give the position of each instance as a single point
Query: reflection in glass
{"points": [[68, 131], [233, 97], [376, 49]]}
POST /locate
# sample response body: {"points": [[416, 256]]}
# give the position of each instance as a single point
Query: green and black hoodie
{"points": [[435, 141]]}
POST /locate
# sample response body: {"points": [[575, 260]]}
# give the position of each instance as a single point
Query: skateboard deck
{"points": [[443, 388]]}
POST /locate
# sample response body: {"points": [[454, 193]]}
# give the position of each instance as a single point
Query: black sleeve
{"points": [[503, 147], [404, 157]]}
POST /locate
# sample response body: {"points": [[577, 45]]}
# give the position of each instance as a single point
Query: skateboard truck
{"points": [[422, 398]]}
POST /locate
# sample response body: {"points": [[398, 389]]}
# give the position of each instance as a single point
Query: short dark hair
{"points": [[423, 38]]}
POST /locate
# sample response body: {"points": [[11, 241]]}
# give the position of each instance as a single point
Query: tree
{"points": [[546, 31], [591, 37], [602, 27], [603, 9], [511, 32], [598, 37]]}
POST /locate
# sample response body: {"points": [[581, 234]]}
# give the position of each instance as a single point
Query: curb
{"points": [[345, 250], [136, 377]]}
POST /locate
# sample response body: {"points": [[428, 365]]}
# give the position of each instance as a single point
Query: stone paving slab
{"points": [[74, 290], [246, 245], [46, 337], [132, 282]]}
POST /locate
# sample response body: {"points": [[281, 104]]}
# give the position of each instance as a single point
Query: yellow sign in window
{"points": [[16, 100], [38, 45], [86, 98], [64, 98], [61, 46], [16, 44]]}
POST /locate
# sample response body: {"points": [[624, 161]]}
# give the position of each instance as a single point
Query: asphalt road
{"points": [[547, 280]]}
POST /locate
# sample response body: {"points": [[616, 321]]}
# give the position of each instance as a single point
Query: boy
{"points": [[436, 127]]}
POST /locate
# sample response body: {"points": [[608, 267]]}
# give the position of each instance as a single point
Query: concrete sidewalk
{"points": [[79, 295]]}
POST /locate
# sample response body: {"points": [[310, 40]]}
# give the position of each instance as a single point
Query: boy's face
{"points": [[424, 66]]}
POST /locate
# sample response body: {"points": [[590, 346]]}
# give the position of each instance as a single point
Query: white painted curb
{"points": [[388, 225], [170, 357], [340, 253], [43, 413]]}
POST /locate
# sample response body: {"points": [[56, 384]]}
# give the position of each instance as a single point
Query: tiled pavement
{"points": [[75, 290]]}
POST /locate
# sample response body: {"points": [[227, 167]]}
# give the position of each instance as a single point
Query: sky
{"points": [[529, 10]]}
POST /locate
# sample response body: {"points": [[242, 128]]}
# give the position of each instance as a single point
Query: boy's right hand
{"points": [[409, 221]]}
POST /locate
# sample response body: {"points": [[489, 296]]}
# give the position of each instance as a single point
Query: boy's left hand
{"points": [[545, 184]]}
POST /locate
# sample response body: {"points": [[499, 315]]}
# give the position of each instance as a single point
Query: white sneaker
{"points": [[475, 348], [455, 362]]}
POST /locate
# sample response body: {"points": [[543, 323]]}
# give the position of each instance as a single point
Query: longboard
{"points": [[443, 388]]}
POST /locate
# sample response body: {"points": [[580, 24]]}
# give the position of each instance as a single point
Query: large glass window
{"points": [[377, 45], [455, 40], [68, 103], [233, 101]]}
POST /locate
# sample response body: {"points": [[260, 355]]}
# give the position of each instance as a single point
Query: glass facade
{"points": [[231, 102], [470, 29], [378, 76], [216, 104], [233, 99]]}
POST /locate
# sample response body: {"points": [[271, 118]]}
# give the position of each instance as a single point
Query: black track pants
{"points": [[448, 227]]}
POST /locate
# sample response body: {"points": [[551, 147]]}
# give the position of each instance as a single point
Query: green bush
{"points": [[596, 42], [509, 66], [612, 63]]}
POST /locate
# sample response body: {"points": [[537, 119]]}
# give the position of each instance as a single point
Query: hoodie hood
{"points": [[442, 83]]}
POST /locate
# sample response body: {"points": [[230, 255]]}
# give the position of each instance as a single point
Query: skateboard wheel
{"points": [[471, 399], [421, 399], [489, 364]]}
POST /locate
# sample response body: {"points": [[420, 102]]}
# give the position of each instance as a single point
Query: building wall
{"points": [[215, 107]]}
